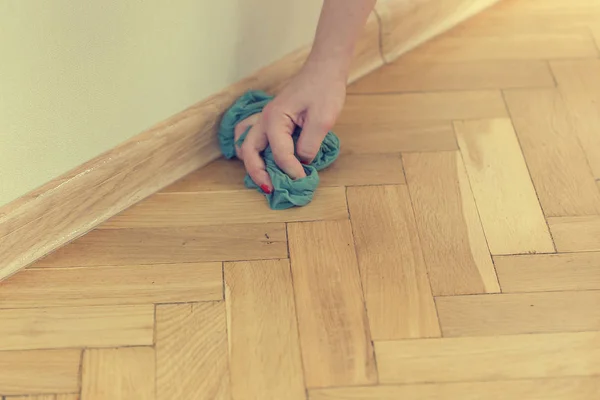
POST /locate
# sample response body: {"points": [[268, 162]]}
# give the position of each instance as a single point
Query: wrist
{"points": [[332, 66]]}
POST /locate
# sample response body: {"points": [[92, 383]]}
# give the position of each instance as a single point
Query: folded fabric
{"points": [[287, 192]]}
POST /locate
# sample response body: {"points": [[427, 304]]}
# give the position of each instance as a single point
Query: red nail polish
{"points": [[303, 162], [265, 189]]}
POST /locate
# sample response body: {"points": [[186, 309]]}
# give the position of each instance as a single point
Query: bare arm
{"points": [[340, 26]]}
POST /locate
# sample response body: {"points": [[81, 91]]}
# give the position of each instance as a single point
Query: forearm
{"points": [[340, 25]]}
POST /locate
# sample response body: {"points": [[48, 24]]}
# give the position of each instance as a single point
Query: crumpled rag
{"points": [[287, 192]]}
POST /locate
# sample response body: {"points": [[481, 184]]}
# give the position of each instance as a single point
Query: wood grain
{"points": [[61, 327], [576, 233], [391, 264], [450, 48], [388, 136], [510, 212], [579, 83], [334, 332], [508, 18], [505, 314], [191, 352], [264, 349], [219, 208], [548, 272], [454, 245], [560, 172], [118, 374], [62, 396], [364, 169], [39, 371], [34, 397], [407, 24], [34, 225], [549, 355], [572, 388], [409, 76], [172, 245], [219, 175], [130, 284], [398, 109]]}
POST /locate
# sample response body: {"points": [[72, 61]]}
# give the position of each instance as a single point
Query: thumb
{"points": [[311, 137]]}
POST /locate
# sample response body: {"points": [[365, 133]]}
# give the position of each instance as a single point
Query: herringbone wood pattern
{"points": [[453, 252]]}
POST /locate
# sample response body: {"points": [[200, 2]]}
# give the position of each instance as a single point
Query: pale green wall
{"points": [[79, 77]]}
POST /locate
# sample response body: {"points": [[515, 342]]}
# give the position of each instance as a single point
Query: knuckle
{"points": [[326, 122], [270, 110]]}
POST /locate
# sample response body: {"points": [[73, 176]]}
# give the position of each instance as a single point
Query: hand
{"points": [[312, 100]]}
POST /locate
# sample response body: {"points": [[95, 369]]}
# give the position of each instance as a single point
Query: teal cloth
{"points": [[287, 192]]}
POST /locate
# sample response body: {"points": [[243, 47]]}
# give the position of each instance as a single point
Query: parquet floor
{"points": [[453, 252]]}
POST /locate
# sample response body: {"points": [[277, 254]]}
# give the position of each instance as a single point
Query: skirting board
{"points": [[405, 24], [70, 206]]}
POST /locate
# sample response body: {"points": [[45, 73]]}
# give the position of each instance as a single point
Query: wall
{"points": [[79, 77]]}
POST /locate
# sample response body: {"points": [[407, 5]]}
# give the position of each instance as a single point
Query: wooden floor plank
{"points": [[264, 349], [39, 371], [61, 327], [334, 332], [512, 219], [219, 175], [394, 275], [506, 314], [489, 358], [118, 374], [388, 136], [548, 272], [397, 109], [45, 397], [191, 352], [364, 169], [572, 388], [596, 30], [532, 17], [407, 76], [454, 245], [172, 245], [220, 208], [579, 83], [452, 48], [576, 233], [130, 284], [533, 23], [560, 172]]}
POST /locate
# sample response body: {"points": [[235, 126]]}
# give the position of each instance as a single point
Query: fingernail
{"points": [[265, 189], [304, 162]]}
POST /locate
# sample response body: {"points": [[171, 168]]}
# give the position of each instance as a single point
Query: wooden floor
{"points": [[453, 251]]}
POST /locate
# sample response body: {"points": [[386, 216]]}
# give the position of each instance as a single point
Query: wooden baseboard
{"points": [[405, 24], [69, 206]]}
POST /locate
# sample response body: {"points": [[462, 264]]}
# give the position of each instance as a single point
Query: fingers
{"points": [[240, 128], [279, 133], [255, 166], [309, 142]]}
